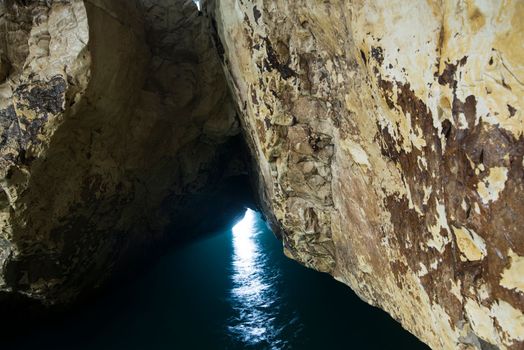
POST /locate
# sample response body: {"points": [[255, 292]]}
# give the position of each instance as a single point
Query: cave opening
{"points": [[197, 3]]}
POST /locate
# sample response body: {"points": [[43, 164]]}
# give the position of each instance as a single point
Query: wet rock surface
{"points": [[390, 151]]}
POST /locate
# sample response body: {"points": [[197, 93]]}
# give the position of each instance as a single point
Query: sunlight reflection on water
{"points": [[254, 294]]}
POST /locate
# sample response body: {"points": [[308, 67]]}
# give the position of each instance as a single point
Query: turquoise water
{"points": [[231, 290]]}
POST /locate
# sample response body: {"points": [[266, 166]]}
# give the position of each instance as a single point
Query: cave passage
{"points": [[232, 289]]}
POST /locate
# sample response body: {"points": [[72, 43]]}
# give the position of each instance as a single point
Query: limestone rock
{"points": [[389, 146], [110, 112]]}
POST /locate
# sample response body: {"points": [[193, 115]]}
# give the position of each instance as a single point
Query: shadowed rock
{"points": [[113, 114]]}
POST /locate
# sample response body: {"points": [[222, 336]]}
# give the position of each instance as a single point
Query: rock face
{"points": [[387, 139], [389, 146], [110, 112]]}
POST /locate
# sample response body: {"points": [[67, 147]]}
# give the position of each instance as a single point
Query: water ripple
{"points": [[255, 294]]}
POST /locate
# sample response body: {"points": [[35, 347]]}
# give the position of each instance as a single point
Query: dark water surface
{"points": [[232, 290]]}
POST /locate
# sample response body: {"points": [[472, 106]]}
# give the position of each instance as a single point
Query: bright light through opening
{"points": [[197, 3], [243, 234]]}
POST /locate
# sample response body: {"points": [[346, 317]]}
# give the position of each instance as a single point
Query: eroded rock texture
{"points": [[389, 145], [110, 112]]}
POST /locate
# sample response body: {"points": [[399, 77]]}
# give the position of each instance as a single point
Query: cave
{"points": [[378, 144]]}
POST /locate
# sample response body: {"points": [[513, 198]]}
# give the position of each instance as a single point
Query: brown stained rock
{"points": [[388, 144], [421, 208]]}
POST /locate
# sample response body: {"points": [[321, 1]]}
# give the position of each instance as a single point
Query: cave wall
{"points": [[112, 115], [389, 146], [387, 142]]}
